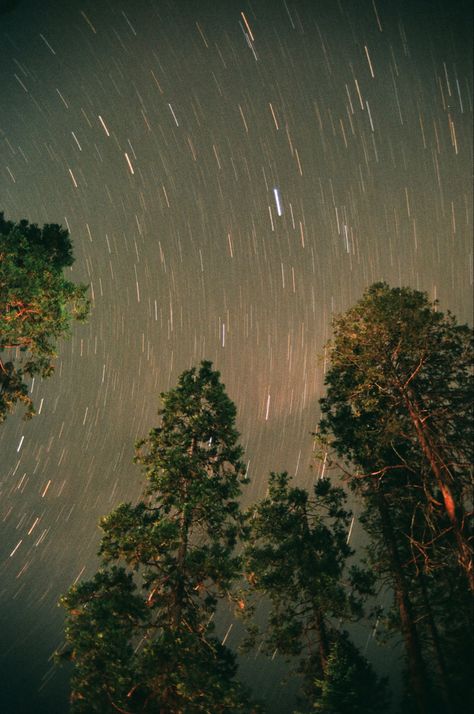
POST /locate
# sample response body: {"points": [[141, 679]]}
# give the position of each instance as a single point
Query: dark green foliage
{"points": [[37, 305], [296, 557], [103, 616], [350, 685], [177, 547], [186, 672]]}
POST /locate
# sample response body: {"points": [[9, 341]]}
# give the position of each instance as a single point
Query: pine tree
{"points": [[296, 558], [401, 378], [399, 409], [176, 554]]}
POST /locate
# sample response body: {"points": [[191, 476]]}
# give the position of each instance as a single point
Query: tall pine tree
{"points": [[399, 409], [140, 634]]}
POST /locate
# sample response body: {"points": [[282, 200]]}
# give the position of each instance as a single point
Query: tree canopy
{"points": [[37, 305], [399, 398]]}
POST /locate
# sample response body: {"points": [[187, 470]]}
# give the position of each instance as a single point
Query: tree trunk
{"points": [[184, 524], [443, 677], [465, 553], [322, 640], [416, 665], [180, 567]]}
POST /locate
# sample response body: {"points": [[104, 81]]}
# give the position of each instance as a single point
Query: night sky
{"points": [[232, 174]]}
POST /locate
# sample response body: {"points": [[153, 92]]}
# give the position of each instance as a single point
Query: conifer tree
{"points": [[398, 409], [297, 558], [171, 558]]}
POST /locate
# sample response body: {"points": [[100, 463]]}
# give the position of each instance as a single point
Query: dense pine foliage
{"points": [[37, 305]]}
